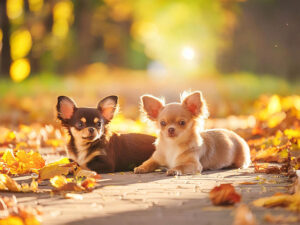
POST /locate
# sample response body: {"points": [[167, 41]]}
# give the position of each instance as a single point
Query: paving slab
{"points": [[127, 198]]}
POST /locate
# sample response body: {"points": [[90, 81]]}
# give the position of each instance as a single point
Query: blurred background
{"points": [[234, 51]]}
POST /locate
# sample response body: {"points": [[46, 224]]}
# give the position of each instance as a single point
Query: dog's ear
{"points": [[108, 106], [65, 108], [195, 103], [151, 106]]}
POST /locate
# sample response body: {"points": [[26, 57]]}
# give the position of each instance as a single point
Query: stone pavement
{"points": [[127, 198]]}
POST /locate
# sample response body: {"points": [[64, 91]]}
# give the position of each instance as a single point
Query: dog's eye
{"points": [[181, 122], [163, 123], [98, 124], [80, 124]]}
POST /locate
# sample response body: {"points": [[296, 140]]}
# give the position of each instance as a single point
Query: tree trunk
{"points": [[5, 57]]}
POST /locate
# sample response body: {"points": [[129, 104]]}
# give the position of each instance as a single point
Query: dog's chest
{"points": [[170, 153], [84, 154], [81, 157]]}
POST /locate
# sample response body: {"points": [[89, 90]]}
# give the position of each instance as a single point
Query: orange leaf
{"points": [[224, 195], [70, 187], [89, 183]]}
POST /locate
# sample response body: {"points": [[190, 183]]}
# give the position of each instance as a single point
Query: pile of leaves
{"points": [[275, 149], [33, 137], [25, 163], [21, 162], [13, 213], [276, 135]]}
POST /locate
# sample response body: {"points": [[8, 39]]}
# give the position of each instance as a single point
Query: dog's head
{"points": [[86, 125], [175, 119]]}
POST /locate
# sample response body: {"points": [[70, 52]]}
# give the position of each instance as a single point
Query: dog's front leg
{"points": [[148, 166], [101, 164], [188, 167]]}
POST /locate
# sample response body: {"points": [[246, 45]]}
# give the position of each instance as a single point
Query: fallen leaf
{"points": [[224, 195], [267, 169], [12, 220], [61, 167], [291, 202], [89, 183], [14, 214], [8, 184], [280, 218], [243, 216], [70, 187], [58, 181], [22, 162], [34, 185]]}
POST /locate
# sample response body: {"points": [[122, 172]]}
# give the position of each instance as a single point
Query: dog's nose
{"points": [[91, 130], [171, 130]]}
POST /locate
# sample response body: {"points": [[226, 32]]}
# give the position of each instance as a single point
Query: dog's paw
{"points": [[174, 172], [139, 169]]}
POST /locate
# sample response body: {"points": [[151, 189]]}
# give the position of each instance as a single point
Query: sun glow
{"points": [[188, 53]]}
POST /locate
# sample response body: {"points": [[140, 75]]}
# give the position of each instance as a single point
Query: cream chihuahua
{"points": [[183, 146]]}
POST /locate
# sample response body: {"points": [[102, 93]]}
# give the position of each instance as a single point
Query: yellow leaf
{"points": [[11, 220], [277, 200], [34, 185], [292, 202], [7, 183], [61, 167], [58, 181], [22, 162], [54, 170], [31, 220]]}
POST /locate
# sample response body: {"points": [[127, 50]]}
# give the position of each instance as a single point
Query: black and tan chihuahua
{"points": [[91, 144]]}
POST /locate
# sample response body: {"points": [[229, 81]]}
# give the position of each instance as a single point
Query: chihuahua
{"points": [[183, 146], [91, 144]]}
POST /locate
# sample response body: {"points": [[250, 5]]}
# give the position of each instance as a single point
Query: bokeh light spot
{"points": [[19, 70], [63, 17], [60, 28], [14, 8], [63, 11], [20, 43]]}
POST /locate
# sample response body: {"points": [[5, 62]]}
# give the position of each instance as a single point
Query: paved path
{"points": [[127, 198]]}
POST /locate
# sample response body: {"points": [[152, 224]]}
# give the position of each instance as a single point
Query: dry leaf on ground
{"points": [[244, 216], [62, 184], [291, 202], [14, 214], [60, 167], [8, 184], [224, 195], [265, 168], [22, 162], [281, 218]]}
